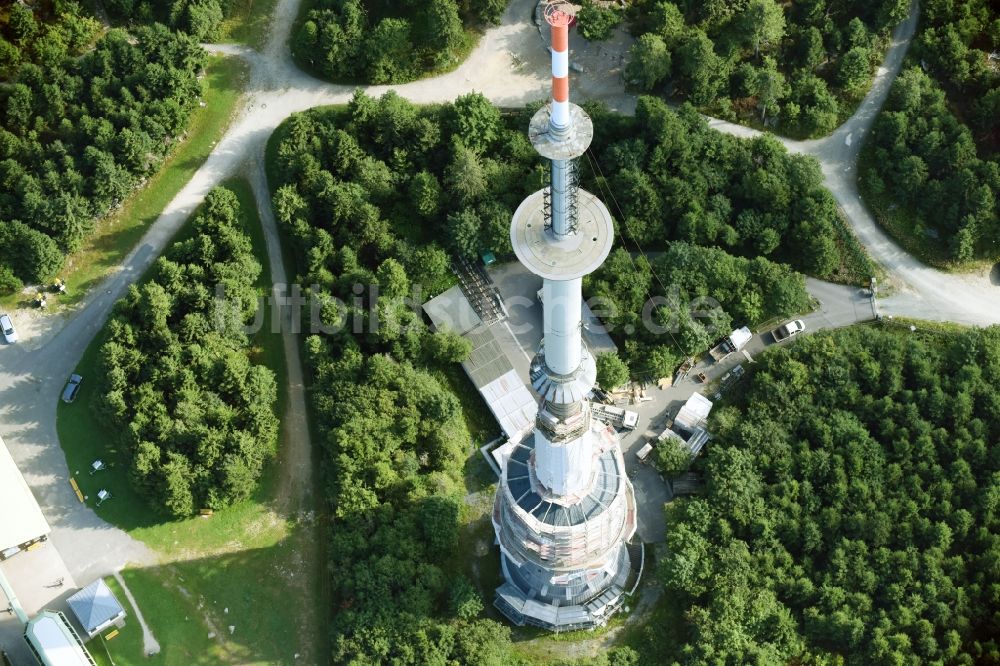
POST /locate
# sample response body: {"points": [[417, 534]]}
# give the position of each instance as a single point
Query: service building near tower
{"points": [[23, 524], [564, 509]]}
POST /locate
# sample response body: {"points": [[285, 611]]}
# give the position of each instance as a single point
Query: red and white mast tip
{"points": [[559, 19]]}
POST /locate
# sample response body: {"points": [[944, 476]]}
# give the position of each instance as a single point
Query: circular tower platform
{"points": [[565, 146], [567, 257]]}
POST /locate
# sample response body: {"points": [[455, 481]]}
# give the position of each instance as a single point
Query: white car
{"points": [[788, 330], [7, 326]]}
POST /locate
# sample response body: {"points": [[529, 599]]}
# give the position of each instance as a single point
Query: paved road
{"points": [[511, 67]]}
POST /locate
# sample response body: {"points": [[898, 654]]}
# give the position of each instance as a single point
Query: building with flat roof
{"points": [[54, 642], [23, 523]]}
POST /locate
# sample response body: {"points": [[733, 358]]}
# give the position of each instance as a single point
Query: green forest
{"points": [[196, 418], [851, 511], [669, 177], [202, 19], [694, 282], [392, 430], [939, 134], [85, 117], [383, 41], [799, 67], [385, 192]]}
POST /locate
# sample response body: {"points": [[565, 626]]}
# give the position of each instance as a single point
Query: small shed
{"points": [[96, 607]]}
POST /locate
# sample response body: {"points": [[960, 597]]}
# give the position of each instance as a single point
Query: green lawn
{"points": [[245, 558], [182, 641], [184, 602], [856, 267], [116, 235]]}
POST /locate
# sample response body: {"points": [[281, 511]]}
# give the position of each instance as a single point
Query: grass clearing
{"points": [[185, 603], [182, 641], [660, 635], [119, 232], [856, 266], [247, 22], [246, 558]]}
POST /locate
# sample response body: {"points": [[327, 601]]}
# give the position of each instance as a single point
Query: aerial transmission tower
{"points": [[564, 508]]}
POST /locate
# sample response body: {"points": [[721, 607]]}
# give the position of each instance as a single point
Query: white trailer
{"points": [[615, 416]]}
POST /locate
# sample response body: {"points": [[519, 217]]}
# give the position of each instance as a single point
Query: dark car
{"points": [[72, 388]]}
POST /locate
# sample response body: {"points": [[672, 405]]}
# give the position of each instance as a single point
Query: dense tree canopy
{"points": [[597, 21], [939, 133], [922, 157], [612, 371], [195, 415], [385, 179], [393, 434], [800, 65], [43, 33], [679, 302], [78, 132], [955, 42], [376, 41], [670, 177], [852, 507], [202, 19], [381, 194], [395, 443]]}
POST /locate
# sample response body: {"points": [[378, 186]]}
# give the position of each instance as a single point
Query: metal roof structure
{"points": [[23, 521], [451, 311], [52, 639], [599, 497], [96, 607], [512, 404], [508, 397]]}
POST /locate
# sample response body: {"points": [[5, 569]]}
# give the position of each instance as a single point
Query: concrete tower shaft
{"points": [[565, 507], [562, 233]]}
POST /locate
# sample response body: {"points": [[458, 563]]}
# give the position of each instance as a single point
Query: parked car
{"points": [[644, 453], [786, 331], [601, 396], [7, 326], [72, 388]]}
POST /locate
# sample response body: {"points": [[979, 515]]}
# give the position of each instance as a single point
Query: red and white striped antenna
{"points": [[559, 19]]}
